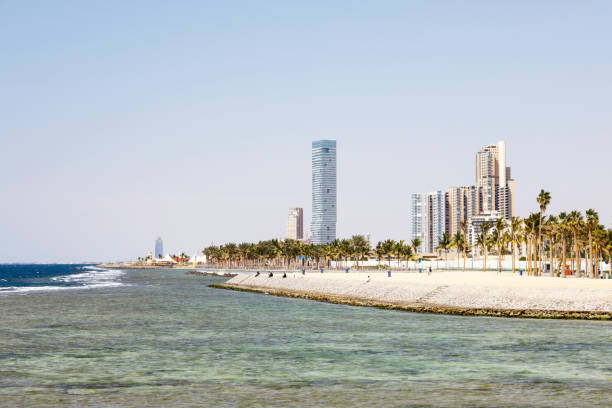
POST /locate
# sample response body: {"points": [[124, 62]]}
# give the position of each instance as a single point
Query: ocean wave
{"points": [[92, 279]]}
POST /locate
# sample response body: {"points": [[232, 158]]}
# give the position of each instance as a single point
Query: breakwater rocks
{"points": [[423, 307]]}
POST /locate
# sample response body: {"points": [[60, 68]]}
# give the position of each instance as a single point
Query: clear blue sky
{"points": [[122, 121]]}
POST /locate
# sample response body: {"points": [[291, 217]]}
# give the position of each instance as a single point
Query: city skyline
{"points": [[202, 134], [440, 212]]}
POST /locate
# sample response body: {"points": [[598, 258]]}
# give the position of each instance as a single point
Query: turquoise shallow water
{"points": [[166, 339]]}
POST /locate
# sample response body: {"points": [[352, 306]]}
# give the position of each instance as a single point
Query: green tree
{"points": [[361, 247], [592, 221], [460, 244], [443, 245], [543, 200], [516, 225]]}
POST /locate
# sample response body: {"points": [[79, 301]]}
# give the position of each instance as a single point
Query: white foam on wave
{"points": [[94, 278]]}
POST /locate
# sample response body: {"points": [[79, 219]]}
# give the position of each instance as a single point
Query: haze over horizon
{"points": [[127, 121]]}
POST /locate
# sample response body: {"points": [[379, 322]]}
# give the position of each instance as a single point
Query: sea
{"points": [[83, 336]]}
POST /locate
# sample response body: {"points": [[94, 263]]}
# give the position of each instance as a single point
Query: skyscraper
{"points": [[419, 220], [159, 247], [323, 226], [295, 224], [493, 178], [436, 217]]}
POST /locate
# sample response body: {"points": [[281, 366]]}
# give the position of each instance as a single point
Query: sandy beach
{"points": [[478, 293]]}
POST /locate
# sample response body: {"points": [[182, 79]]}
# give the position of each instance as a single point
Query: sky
{"points": [[193, 120]]}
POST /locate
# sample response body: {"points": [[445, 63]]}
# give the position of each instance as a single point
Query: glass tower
{"points": [[159, 247], [323, 226]]}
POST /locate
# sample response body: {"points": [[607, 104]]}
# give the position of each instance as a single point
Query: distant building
{"points": [[294, 227], [493, 177], [475, 226], [436, 217], [159, 247], [324, 210], [419, 230]]}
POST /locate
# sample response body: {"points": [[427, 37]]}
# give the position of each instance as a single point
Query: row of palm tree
{"points": [[548, 240], [287, 253], [555, 242]]}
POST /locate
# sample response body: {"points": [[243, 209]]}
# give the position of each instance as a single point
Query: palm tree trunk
{"points": [[591, 255], [484, 265], [577, 256]]}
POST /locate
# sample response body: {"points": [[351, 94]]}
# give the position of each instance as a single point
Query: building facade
{"points": [[493, 179], [324, 210], [436, 219], [418, 204], [294, 228], [159, 247]]}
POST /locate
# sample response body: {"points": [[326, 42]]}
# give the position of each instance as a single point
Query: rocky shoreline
{"points": [[515, 313], [446, 293]]}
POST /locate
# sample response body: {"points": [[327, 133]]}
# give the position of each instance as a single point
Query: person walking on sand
{"points": [[368, 281], [429, 272]]}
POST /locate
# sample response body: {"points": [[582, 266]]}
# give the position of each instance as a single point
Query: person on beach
{"points": [[257, 273], [284, 274], [368, 281], [270, 275], [429, 272]]}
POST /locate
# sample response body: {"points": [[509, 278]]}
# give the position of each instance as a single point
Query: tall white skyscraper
{"points": [[295, 224], [419, 230], [323, 226], [159, 247]]}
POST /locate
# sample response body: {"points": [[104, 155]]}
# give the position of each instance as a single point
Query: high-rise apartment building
{"points": [[493, 178], [491, 197], [324, 210], [436, 218], [418, 203], [453, 210], [159, 247], [294, 227]]}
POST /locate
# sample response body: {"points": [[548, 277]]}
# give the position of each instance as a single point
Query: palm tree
{"points": [[515, 231], [444, 245], [575, 223], [388, 248], [543, 200], [592, 221], [498, 238], [380, 251], [406, 253], [460, 244], [482, 240], [464, 229], [551, 229], [398, 251], [416, 244], [564, 229], [532, 224], [361, 246]]}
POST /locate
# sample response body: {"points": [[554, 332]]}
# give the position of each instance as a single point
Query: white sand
{"points": [[450, 289]]}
